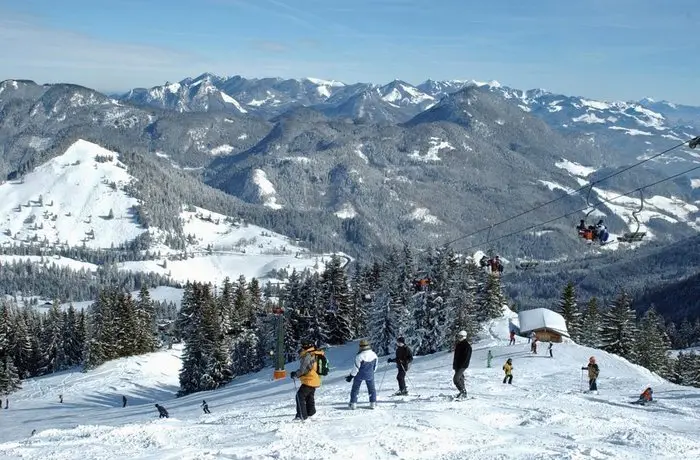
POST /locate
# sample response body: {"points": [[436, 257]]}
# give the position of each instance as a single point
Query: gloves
{"points": [[348, 378], [391, 360], [293, 374]]}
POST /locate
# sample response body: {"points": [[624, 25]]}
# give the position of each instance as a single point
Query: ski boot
{"points": [[352, 406], [373, 405]]}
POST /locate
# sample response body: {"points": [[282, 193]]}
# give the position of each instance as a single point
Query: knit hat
{"points": [[364, 344], [306, 344], [401, 340]]}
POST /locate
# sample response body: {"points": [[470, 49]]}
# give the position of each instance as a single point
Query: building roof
{"points": [[542, 319]]}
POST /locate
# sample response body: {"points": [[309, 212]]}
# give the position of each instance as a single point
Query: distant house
{"points": [[547, 325]]}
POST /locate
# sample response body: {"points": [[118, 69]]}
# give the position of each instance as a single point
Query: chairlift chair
{"points": [[635, 236]]}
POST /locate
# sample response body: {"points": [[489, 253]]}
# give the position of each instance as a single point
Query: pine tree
{"points": [[591, 325], [9, 378], [360, 301], [71, 338], [20, 343], [225, 308], [145, 328], [52, 340], [619, 328], [381, 330], [193, 374], [569, 310], [653, 345], [214, 342], [491, 301], [465, 317], [336, 296], [125, 321], [242, 313]]}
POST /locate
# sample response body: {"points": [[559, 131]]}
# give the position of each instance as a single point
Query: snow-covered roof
{"points": [[542, 318]]}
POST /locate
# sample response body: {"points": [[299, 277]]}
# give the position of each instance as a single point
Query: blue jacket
{"points": [[365, 365]]}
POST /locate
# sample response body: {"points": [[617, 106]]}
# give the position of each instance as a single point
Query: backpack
{"points": [[322, 366]]}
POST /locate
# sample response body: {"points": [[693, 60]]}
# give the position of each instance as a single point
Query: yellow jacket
{"points": [[308, 368], [508, 368]]}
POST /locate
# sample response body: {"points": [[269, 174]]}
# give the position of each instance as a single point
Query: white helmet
{"points": [[462, 334]]}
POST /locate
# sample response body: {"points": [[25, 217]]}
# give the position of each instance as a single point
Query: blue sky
{"points": [[607, 49]]}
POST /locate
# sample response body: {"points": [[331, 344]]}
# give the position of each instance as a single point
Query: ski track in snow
{"points": [[543, 415]]}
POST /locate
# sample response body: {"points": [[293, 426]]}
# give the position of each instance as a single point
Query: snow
{"points": [[222, 149], [49, 261], [347, 211], [76, 201], [229, 100], [554, 186], [589, 118], [695, 183], [631, 131], [539, 318], [575, 168], [359, 153], [432, 155], [243, 137], [173, 87], [424, 215], [598, 105], [542, 415], [266, 189], [321, 82]]}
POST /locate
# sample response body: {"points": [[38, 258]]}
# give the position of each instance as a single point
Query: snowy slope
{"points": [[542, 415], [68, 199]]}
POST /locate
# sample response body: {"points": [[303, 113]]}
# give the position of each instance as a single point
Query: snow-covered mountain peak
{"points": [[321, 82]]}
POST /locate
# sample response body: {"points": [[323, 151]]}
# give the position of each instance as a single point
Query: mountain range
{"points": [[356, 167]]}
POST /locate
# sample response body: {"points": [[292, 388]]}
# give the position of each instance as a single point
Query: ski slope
{"points": [[543, 415]]}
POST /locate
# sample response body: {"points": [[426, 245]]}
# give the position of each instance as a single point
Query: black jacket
{"points": [[463, 354], [404, 357]]}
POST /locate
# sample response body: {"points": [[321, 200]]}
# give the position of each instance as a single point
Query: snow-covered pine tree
{"points": [[381, 330], [52, 340], [126, 328], [653, 345], [619, 328], [360, 301], [71, 338], [491, 299], [193, 374], [591, 325], [215, 344], [9, 378], [319, 330], [242, 311], [568, 308], [20, 343], [245, 356], [687, 369], [336, 297], [225, 307], [465, 317], [145, 329]]}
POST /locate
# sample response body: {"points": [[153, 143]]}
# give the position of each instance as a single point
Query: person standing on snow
{"points": [[549, 348], [123, 401], [508, 369], [365, 366], [512, 338], [403, 361], [460, 362], [593, 372], [162, 412], [205, 407], [309, 378]]}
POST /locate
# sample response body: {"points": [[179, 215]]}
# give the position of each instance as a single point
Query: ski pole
{"points": [[296, 396], [382, 381]]}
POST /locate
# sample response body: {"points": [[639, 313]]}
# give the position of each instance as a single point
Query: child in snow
{"points": [[593, 372], [162, 412], [403, 360], [365, 366], [645, 397], [508, 369]]}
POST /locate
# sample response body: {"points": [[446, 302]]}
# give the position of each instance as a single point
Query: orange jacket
{"points": [[308, 368]]}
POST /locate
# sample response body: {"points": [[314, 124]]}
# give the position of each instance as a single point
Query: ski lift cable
{"points": [[569, 214], [691, 143]]}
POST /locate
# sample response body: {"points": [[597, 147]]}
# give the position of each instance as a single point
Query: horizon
{"points": [[629, 51]]}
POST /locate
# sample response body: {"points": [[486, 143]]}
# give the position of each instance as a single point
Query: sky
{"points": [[604, 49]]}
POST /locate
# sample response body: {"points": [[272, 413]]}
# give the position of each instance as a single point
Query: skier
{"points": [[533, 347], [403, 361], [162, 411], [593, 372], [508, 369], [60, 399], [365, 366], [309, 378], [581, 228], [531, 337], [645, 397], [489, 357], [123, 401], [460, 362], [549, 348], [205, 407], [512, 338]]}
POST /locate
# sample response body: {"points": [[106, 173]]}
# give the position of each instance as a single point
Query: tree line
{"points": [[645, 340]]}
